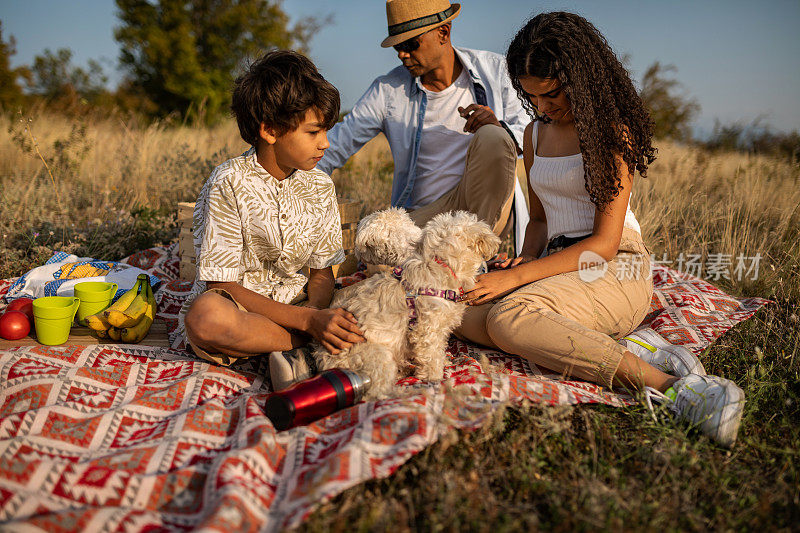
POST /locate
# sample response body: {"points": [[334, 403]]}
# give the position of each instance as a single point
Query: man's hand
{"points": [[477, 116], [336, 329]]}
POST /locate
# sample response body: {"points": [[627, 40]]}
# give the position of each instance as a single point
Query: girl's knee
{"points": [[473, 325], [507, 320]]}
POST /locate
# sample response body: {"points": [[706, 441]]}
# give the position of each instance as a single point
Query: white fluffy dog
{"points": [[407, 315]]}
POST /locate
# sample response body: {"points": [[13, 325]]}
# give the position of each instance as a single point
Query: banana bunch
{"points": [[130, 317]]}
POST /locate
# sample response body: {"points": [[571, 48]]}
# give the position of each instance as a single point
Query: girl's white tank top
{"points": [[559, 183]]}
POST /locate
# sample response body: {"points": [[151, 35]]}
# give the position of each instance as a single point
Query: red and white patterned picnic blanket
{"points": [[134, 438]]}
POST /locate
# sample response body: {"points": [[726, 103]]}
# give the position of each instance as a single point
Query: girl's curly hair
{"points": [[610, 118]]}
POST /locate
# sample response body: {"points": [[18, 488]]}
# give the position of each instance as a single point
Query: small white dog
{"points": [[407, 315]]}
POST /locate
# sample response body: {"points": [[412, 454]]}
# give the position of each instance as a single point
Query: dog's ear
{"points": [[486, 242], [429, 243], [441, 234], [368, 238]]}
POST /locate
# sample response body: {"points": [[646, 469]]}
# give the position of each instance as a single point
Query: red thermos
{"points": [[315, 397]]}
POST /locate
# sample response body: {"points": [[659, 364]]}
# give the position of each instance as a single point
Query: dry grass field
{"points": [[106, 188]]}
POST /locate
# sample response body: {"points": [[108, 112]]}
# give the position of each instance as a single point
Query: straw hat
{"points": [[409, 18]]}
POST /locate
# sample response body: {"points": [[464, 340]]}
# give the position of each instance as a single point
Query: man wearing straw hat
{"points": [[452, 119]]}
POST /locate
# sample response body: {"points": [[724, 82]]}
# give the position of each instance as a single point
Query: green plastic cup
{"points": [[52, 317], [94, 296]]}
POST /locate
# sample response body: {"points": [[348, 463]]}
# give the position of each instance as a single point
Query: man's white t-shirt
{"points": [[443, 145]]}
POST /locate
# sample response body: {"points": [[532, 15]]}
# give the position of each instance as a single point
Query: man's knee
{"points": [[492, 152], [495, 140]]}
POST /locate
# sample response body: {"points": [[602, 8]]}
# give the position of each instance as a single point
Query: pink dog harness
{"points": [[411, 295]]}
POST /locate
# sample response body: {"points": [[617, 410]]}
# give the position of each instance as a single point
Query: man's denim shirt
{"points": [[395, 105]]}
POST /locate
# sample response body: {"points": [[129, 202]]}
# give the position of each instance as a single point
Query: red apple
{"points": [[14, 325], [22, 304]]}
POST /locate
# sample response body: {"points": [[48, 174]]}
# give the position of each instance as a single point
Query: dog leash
{"points": [[411, 294]]}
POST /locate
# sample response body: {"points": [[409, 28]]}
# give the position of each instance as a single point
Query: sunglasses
{"points": [[407, 46]]}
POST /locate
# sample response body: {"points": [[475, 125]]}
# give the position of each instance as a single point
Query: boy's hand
{"points": [[336, 329]]}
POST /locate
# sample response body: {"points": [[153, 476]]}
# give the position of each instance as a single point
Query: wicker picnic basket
{"points": [[349, 211]]}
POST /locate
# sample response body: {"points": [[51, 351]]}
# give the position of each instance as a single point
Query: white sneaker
{"points": [[711, 403], [289, 367], [654, 350]]}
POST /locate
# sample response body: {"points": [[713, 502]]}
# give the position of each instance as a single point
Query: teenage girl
{"points": [[582, 282]]}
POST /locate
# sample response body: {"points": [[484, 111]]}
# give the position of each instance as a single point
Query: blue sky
{"points": [[738, 59]]}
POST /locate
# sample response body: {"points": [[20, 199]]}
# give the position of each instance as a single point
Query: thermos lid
{"points": [[360, 383]]}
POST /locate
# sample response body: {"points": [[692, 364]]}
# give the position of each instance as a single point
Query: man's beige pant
{"points": [[487, 188], [568, 324]]}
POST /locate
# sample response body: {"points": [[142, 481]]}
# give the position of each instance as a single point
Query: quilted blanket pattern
{"points": [[135, 438]]}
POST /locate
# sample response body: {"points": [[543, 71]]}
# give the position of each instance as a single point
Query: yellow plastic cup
{"points": [[94, 296], [52, 317]]}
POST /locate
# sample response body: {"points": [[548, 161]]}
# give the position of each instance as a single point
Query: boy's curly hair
{"points": [[610, 118], [278, 89]]}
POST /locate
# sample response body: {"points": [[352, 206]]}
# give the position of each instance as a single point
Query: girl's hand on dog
{"points": [[336, 329], [490, 286], [501, 261]]}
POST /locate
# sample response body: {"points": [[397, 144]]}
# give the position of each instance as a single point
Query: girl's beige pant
{"points": [[570, 323]]}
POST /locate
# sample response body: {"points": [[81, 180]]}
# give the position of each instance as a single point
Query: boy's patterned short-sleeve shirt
{"points": [[250, 228]]}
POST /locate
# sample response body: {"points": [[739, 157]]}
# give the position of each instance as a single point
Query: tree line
{"points": [[179, 58]]}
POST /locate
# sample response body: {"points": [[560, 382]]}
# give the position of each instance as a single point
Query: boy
{"points": [[260, 218]]}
